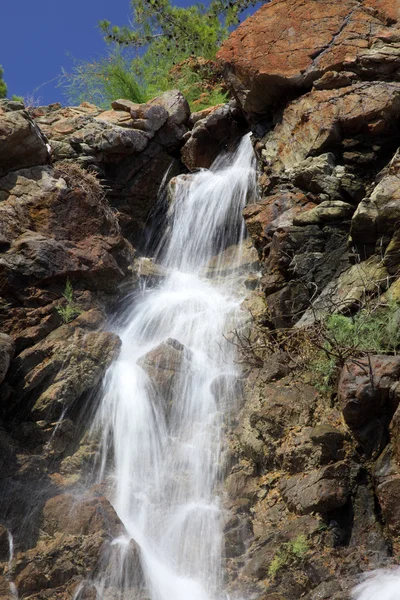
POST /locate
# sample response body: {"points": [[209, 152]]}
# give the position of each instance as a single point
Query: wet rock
{"points": [[369, 395], [76, 515], [279, 52], [321, 491], [164, 365]]}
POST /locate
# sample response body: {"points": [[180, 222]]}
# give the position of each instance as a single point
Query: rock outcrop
{"points": [[285, 48]]}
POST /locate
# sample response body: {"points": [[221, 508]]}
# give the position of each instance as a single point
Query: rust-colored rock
{"points": [[285, 46]]}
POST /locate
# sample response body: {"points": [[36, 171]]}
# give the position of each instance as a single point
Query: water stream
{"points": [[161, 452]]}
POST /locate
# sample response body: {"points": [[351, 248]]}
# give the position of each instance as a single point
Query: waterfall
{"points": [[383, 584], [161, 454]]}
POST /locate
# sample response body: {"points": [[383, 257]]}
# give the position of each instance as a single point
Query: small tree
{"points": [[147, 52]]}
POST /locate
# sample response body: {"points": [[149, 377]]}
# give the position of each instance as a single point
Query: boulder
{"points": [[322, 490], [320, 120], [369, 393], [176, 106], [387, 486], [21, 142], [376, 220], [77, 515], [286, 46], [7, 348], [212, 134], [50, 376], [269, 412], [164, 366]]}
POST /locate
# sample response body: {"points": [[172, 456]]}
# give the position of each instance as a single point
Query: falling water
{"points": [[163, 458], [383, 584], [13, 589]]}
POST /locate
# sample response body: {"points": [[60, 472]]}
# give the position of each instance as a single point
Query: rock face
{"points": [[319, 85], [131, 146], [211, 134], [285, 47]]}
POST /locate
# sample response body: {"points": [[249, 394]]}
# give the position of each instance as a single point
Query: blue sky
{"points": [[37, 36]]}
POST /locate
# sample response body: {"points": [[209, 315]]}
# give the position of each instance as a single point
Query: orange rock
{"points": [[287, 45]]}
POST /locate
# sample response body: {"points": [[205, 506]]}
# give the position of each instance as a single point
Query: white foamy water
{"points": [[164, 460], [383, 584]]}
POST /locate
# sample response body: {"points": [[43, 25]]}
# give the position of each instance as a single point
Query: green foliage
{"points": [[143, 55], [372, 330], [3, 87], [102, 81], [17, 98], [288, 554], [69, 310], [368, 331]]}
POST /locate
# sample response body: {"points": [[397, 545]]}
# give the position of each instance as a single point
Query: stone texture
{"points": [[369, 394], [284, 47], [322, 491], [21, 142], [7, 349], [50, 376], [212, 134], [322, 119]]}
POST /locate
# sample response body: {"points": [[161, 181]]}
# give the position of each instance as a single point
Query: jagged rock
{"points": [[322, 491], [211, 135], [311, 448], [270, 410], [132, 154], [21, 142], [369, 393], [375, 222], [54, 225], [76, 515], [387, 485], [176, 106], [280, 51], [7, 348], [322, 119], [51, 375], [326, 212]]}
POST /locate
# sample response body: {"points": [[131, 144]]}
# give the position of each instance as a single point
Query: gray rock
{"points": [[322, 490], [7, 349]]}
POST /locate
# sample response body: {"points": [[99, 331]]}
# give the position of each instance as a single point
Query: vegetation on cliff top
{"points": [[164, 46], [3, 86]]}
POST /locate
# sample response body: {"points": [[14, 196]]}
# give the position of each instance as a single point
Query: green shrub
{"points": [[102, 81], [373, 329], [288, 554], [69, 311], [3, 86]]}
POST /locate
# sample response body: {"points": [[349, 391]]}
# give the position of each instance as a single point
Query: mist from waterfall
{"points": [[162, 460]]}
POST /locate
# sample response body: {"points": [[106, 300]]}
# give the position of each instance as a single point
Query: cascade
{"points": [[383, 584], [162, 458]]}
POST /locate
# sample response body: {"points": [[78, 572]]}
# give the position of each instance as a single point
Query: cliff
{"points": [[312, 472]]}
